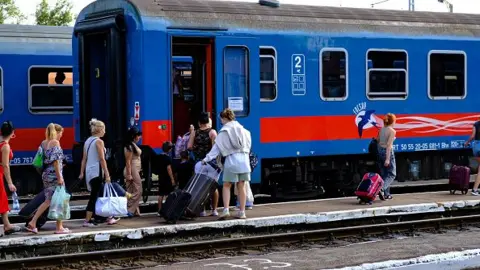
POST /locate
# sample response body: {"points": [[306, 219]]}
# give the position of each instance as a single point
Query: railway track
{"points": [[238, 244]]}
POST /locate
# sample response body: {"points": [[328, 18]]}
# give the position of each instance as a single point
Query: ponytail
{"points": [[51, 132]]}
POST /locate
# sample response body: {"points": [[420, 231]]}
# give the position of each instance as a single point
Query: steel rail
{"points": [[239, 243]]}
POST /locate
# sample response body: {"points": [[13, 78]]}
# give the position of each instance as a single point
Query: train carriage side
{"points": [[311, 90], [36, 89], [351, 82]]}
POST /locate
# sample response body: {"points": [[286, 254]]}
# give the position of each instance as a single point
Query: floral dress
{"points": [[49, 175]]}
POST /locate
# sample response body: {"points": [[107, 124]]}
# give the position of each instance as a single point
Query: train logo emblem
{"points": [[364, 119]]}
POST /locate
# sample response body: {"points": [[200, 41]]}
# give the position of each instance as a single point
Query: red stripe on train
{"points": [[344, 127], [28, 139]]}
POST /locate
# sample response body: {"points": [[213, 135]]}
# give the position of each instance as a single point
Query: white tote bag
{"points": [[111, 204], [248, 191]]}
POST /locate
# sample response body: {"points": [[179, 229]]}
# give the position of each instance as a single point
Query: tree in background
{"points": [[10, 12], [59, 15]]}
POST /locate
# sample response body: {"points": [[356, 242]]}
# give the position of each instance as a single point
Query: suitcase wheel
{"points": [[452, 192], [464, 192]]}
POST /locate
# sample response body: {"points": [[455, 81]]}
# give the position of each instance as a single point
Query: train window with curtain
{"points": [[50, 89], [236, 80], [268, 74], [447, 75], [387, 74], [334, 71]]}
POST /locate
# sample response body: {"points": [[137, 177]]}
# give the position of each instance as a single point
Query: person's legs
{"points": [[226, 199], [32, 225], [477, 178], [242, 197], [391, 172], [8, 228], [95, 184]]}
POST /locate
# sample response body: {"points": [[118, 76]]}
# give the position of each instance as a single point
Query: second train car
{"points": [[35, 90], [310, 83]]}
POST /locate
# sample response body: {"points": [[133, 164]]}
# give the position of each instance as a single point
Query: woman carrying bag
{"points": [[233, 142], [94, 165]]}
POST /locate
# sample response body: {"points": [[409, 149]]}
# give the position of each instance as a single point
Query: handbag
{"points": [[111, 204]]}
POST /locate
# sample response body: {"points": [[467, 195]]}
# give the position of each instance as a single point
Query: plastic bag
{"points": [[111, 204], [248, 191], [60, 204]]}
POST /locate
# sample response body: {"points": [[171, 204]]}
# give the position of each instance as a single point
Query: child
{"points": [[166, 181], [184, 170]]}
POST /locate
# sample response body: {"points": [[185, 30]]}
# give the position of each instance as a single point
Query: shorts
{"points": [[235, 177], [165, 188]]}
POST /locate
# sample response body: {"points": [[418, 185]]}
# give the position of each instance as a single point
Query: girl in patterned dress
{"points": [[52, 175]]}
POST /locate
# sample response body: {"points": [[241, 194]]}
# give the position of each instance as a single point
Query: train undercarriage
{"points": [[337, 176]]}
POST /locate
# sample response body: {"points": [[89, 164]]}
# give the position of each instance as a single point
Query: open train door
{"points": [[102, 87], [237, 82]]}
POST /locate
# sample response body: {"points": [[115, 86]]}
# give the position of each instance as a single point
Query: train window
{"points": [[387, 74], [268, 74], [51, 89], [236, 79], [334, 79], [447, 75]]}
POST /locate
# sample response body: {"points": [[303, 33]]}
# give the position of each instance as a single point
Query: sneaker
{"points": [[203, 213], [89, 224], [112, 221], [475, 192], [225, 213], [214, 213], [241, 215]]}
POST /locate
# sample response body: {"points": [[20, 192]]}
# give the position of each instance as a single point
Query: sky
{"points": [[459, 6]]}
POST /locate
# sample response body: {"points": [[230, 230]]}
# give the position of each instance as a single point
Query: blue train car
{"points": [[311, 83], [35, 90]]}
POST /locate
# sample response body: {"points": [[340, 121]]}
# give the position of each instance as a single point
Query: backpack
{"points": [[181, 144]]}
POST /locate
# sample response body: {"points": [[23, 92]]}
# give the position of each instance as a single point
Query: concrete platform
{"points": [[290, 213]]}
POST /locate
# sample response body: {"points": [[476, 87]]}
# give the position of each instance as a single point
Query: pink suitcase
{"points": [[368, 189], [459, 179]]}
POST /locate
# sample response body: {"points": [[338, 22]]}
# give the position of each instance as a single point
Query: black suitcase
{"points": [[31, 207], [200, 187], [175, 206]]}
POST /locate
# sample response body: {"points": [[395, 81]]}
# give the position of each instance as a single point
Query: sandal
{"points": [[64, 231], [14, 229], [32, 230]]}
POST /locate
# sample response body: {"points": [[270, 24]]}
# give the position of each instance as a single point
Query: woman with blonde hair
{"points": [[94, 165], [234, 143], [51, 175], [386, 156]]}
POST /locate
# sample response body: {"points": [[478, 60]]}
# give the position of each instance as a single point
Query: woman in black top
{"points": [[201, 142], [166, 181]]}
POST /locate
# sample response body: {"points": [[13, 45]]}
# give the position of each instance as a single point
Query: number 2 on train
{"points": [[298, 64]]}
